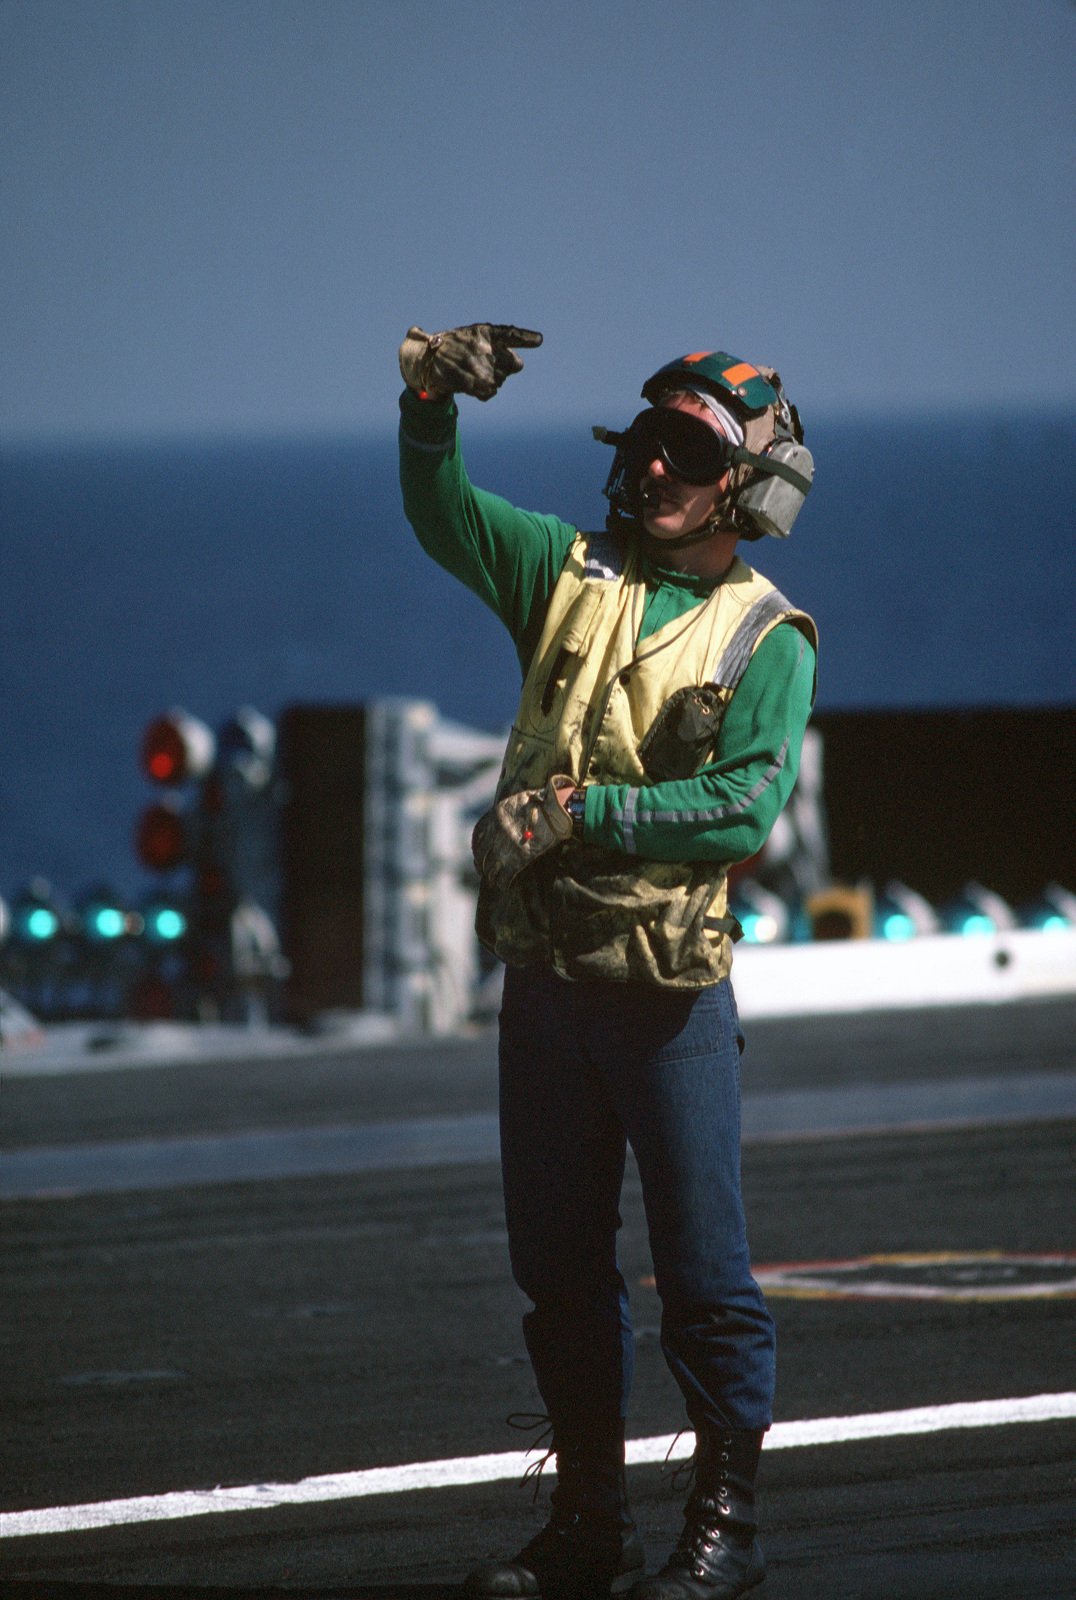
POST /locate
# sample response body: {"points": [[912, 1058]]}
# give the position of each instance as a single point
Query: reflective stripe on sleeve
{"points": [[627, 821], [634, 812]]}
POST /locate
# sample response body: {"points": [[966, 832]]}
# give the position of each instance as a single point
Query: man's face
{"points": [[672, 506]]}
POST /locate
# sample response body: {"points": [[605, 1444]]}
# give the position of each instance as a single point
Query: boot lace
{"points": [[531, 1422], [702, 1532], [681, 1476]]}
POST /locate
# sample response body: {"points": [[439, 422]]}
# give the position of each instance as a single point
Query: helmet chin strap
{"points": [[716, 523]]}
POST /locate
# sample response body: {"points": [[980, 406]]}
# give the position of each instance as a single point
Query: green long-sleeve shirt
{"points": [[511, 559]]}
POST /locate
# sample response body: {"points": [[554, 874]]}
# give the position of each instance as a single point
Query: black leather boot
{"points": [[589, 1548], [718, 1556]]}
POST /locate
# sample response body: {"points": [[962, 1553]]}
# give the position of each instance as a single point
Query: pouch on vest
{"points": [[573, 643], [682, 734]]}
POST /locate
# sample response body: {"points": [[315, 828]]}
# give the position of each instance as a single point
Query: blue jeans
{"points": [[586, 1068]]}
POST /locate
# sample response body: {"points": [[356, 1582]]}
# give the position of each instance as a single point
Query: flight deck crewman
{"points": [[666, 689]]}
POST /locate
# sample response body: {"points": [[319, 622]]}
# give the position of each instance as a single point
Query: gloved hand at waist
{"points": [[519, 829], [473, 360]]}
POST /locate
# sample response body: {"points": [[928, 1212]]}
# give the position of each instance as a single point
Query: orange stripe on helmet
{"points": [[740, 373], [700, 355]]}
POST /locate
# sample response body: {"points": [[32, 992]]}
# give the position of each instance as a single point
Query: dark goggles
{"points": [[687, 446]]}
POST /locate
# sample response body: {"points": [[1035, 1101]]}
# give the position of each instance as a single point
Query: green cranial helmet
{"points": [[772, 469], [735, 382]]}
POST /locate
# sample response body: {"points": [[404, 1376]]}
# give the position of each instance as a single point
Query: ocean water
{"points": [[937, 556]]}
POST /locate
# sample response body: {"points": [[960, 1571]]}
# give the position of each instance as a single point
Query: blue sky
{"points": [[222, 215]]}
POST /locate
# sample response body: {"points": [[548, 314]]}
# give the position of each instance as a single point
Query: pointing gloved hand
{"points": [[472, 360], [518, 830]]}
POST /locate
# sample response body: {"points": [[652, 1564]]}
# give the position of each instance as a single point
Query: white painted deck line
{"points": [[490, 1468]]}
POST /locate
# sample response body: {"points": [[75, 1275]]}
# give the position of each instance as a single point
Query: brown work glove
{"points": [[472, 360], [518, 830]]}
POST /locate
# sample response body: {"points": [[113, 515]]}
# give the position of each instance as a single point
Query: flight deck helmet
{"points": [[742, 387], [771, 471]]}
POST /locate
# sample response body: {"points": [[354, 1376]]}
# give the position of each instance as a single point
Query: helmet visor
{"points": [[687, 446]]}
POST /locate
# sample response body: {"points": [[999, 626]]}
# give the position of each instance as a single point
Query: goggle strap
{"points": [[775, 469]]}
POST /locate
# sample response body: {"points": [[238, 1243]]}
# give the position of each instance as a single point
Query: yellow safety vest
{"points": [[601, 708]]}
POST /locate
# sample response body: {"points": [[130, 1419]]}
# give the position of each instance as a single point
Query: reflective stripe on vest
{"points": [[740, 648]]}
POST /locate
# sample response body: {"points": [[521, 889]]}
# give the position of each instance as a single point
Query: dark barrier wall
{"points": [[321, 753], [936, 798]]}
